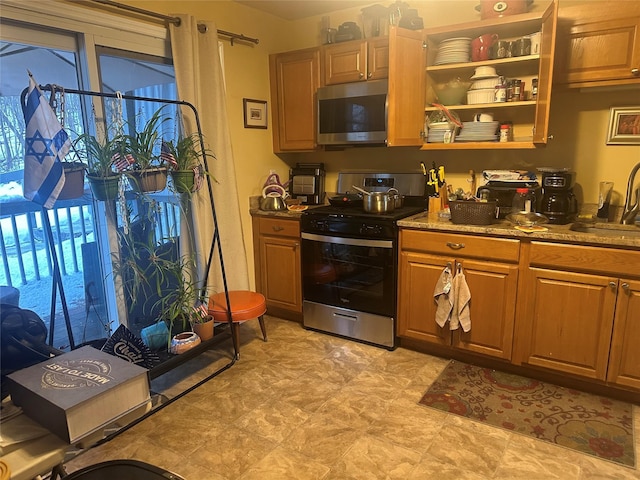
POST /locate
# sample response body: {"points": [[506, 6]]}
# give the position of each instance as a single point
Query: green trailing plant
{"points": [[144, 145], [177, 306], [184, 158], [100, 155], [186, 152]]}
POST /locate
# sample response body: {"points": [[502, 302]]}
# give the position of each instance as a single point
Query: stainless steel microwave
{"points": [[353, 113]]}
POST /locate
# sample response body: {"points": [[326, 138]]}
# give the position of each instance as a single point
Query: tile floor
{"points": [[306, 405]]}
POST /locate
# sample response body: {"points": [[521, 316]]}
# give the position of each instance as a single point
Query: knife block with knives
{"points": [[436, 189]]}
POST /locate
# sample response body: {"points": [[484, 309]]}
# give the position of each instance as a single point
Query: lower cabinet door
{"points": [[419, 274], [493, 288], [624, 360], [571, 320], [280, 270]]}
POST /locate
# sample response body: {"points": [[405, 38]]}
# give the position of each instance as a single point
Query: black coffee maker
{"points": [[559, 204]]}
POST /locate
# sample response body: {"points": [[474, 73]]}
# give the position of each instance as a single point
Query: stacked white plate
{"points": [[437, 132], [478, 132], [453, 50]]}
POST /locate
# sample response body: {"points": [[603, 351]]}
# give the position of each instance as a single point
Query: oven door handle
{"points": [[357, 242]]}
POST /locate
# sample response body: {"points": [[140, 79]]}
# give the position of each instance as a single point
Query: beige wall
{"points": [[578, 119]]}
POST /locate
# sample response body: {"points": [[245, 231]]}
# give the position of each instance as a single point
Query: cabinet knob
{"points": [[370, 75], [635, 72], [626, 287], [361, 75], [550, 137], [613, 285], [455, 246], [277, 228]]}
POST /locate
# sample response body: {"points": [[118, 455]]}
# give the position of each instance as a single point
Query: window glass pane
{"points": [[153, 218], [27, 257]]}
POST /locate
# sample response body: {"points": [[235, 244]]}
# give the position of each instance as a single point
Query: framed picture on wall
{"points": [[255, 113], [624, 126]]}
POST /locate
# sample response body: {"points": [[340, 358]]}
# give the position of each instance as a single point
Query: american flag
{"points": [[201, 310], [167, 156], [122, 163]]}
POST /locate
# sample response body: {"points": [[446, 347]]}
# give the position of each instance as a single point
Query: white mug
{"points": [[535, 43], [483, 117]]}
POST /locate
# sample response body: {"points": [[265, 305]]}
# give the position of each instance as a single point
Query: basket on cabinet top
{"points": [[472, 213]]}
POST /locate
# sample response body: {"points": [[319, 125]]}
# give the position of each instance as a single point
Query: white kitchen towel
{"points": [[444, 296], [461, 315]]}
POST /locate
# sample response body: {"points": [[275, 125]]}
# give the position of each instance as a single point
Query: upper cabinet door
{"points": [[407, 62], [599, 45], [345, 62], [545, 75], [295, 77], [377, 58]]}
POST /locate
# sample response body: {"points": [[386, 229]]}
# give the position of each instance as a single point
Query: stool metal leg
{"points": [[263, 327], [234, 335]]}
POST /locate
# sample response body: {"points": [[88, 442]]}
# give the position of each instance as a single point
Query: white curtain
{"points": [[199, 80]]}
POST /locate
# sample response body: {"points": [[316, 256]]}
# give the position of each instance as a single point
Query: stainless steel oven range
{"points": [[350, 260]]}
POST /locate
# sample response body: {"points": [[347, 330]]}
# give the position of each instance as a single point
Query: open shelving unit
{"points": [[530, 117]]}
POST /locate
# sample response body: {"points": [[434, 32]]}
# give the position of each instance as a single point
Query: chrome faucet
{"points": [[630, 211]]}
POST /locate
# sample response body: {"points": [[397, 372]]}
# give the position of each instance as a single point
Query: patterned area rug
{"points": [[593, 425]]}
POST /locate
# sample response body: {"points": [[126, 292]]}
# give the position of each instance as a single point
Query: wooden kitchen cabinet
{"points": [[277, 265], [405, 112], [624, 358], [598, 45], [491, 270], [530, 118], [579, 308], [294, 77], [356, 61]]}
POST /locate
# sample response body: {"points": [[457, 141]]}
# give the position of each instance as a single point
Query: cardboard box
{"points": [[75, 394]]}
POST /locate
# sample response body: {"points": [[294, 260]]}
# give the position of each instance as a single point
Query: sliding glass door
{"points": [[83, 240]]}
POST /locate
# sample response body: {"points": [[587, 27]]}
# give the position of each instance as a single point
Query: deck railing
{"points": [[25, 254]]}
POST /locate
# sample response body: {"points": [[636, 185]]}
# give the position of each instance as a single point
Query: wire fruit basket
{"points": [[472, 213]]}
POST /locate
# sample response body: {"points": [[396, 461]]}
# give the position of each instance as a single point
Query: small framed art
{"points": [[624, 126], [255, 113]]}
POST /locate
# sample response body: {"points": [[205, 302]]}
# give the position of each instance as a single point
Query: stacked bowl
{"points": [[482, 90]]}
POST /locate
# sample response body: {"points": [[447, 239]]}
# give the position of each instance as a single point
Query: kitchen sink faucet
{"points": [[630, 211]]}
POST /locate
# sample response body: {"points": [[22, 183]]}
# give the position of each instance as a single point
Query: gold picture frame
{"points": [[255, 113], [624, 126]]}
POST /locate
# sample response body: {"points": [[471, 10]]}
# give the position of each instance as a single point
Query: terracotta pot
{"points": [[73, 181], [204, 330], [149, 180]]}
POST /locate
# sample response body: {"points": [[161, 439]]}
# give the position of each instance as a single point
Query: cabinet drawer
{"points": [[504, 249], [280, 227], [583, 258]]}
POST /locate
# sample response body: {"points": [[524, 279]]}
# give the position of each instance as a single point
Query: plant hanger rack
{"points": [[215, 243]]}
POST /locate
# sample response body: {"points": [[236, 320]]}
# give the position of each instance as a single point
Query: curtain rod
{"points": [[175, 20]]}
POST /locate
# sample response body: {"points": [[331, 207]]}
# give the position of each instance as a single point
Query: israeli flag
{"points": [[46, 145]]}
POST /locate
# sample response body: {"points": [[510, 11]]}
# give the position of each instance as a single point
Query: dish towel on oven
{"points": [[461, 315], [444, 296]]}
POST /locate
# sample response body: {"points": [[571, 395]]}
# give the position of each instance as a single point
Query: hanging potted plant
{"points": [[147, 174], [101, 156], [73, 180], [183, 158]]}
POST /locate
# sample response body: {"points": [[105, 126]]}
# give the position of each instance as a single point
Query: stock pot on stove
{"points": [[377, 202]]}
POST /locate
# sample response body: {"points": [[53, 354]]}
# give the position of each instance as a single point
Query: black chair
{"points": [[122, 470]]}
